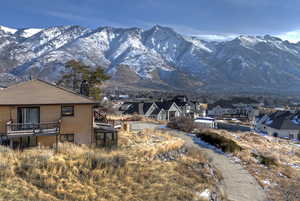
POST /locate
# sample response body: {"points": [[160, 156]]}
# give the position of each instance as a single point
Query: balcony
{"points": [[32, 129]]}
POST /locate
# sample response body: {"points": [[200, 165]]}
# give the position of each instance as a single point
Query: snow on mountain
{"points": [[8, 30], [199, 43], [158, 55], [26, 33]]}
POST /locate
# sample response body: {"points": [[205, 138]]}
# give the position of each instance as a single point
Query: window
{"points": [[67, 110], [66, 138]]}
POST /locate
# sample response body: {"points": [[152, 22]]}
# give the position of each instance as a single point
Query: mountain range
{"points": [[158, 58]]}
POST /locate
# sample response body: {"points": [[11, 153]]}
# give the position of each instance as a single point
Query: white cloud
{"points": [[217, 37], [67, 16], [292, 36]]}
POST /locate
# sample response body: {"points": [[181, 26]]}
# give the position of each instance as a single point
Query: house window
{"points": [[67, 110], [66, 138], [291, 136]]}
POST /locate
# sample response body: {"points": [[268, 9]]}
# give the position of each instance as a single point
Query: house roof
{"points": [[157, 111], [166, 105], [38, 92], [222, 103], [283, 120], [138, 108]]}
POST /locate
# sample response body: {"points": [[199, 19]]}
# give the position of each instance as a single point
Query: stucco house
{"points": [[38, 113]]}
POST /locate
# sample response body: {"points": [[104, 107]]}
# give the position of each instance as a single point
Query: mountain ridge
{"points": [[158, 56]]}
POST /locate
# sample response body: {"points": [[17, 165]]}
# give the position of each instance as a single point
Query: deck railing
{"points": [[44, 128]]}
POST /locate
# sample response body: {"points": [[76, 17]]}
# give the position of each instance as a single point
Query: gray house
{"points": [[165, 110], [284, 124]]}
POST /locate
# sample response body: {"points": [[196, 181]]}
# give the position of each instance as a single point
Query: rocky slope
{"points": [[158, 58]]}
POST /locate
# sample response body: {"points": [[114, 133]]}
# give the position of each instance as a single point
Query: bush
{"points": [[183, 123], [134, 118], [266, 159], [219, 141]]}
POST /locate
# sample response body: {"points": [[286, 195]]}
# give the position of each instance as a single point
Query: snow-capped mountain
{"points": [[157, 58]]}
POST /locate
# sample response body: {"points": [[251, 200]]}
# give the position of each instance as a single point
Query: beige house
{"points": [[38, 113]]}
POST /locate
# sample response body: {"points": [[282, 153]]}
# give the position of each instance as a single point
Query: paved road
{"points": [[238, 184]]}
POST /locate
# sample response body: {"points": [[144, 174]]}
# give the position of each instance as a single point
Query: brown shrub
{"points": [[266, 159], [134, 118], [185, 124]]}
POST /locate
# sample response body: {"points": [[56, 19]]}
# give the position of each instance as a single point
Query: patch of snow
{"points": [[235, 159], [205, 194], [267, 182], [30, 32], [198, 43], [294, 165], [8, 30], [205, 144]]}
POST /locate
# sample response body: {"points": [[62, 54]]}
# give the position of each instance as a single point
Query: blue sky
{"points": [[208, 18]]}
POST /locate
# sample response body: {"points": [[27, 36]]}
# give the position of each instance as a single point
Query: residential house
{"points": [[168, 110], [221, 108], [189, 108], [165, 110], [284, 124], [237, 106], [38, 113]]}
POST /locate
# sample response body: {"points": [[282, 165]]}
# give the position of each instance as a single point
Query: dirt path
{"points": [[238, 184]]}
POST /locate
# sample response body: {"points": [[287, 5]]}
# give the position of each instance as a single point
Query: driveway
{"points": [[238, 184]]}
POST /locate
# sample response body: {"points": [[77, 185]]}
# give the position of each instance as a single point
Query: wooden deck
{"points": [[14, 130]]}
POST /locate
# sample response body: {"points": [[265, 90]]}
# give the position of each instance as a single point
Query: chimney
{"points": [[84, 88], [141, 108]]}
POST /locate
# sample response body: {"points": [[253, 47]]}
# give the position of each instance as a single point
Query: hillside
{"points": [[275, 163], [157, 58]]}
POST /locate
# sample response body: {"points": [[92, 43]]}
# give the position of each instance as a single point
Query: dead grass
{"points": [[133, 172], [134, 118], [271, 161], [183, 123]]}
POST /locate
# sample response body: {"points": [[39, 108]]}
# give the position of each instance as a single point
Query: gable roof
{"points": [[138, 108], [283, 120], [38, 92], [166, 105]]}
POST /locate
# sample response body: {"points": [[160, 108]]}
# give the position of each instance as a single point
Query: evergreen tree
{"points": [[78, 73]]}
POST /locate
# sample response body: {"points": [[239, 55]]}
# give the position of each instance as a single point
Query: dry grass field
{"points": [[149, 165], [134, 118]]}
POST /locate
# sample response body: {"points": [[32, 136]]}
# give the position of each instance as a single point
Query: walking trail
{"points": [[238, 184]]}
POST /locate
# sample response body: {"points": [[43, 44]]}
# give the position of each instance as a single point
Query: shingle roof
{"points": [[283, 120], [38, 92], [138, 108], [166, 105]]}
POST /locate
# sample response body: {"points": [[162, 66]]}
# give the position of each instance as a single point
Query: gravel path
{"points": [[238, 184]]}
